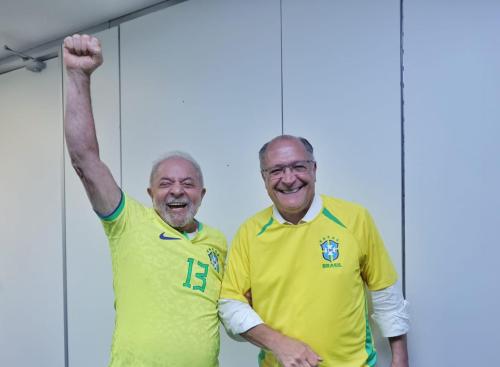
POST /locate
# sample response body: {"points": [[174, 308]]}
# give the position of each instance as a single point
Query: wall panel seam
{"points": [[403, 193], [63, 221]]}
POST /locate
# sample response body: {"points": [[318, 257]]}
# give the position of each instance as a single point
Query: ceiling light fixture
{"points": [[30, 63]]}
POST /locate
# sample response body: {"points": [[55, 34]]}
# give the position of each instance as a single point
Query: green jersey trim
{"points": [[115, 213], [261, 357], [199, 227], [329, 215], [371, 360], [265, 226]]}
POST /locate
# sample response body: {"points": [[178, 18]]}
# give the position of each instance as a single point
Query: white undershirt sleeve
{"points": [[237, 317], [390, 311]]}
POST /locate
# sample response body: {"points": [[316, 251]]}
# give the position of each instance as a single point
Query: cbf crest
{"points": [[330, 251], [213, 255]]}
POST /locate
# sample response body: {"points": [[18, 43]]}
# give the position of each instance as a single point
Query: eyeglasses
{"points": [[296, 167]]}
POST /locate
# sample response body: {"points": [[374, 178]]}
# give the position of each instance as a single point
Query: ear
{"points": [[203, 192], [150, 193]]}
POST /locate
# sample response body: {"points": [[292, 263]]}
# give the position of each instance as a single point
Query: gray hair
{"points": [[175, 154], [307, 146]]}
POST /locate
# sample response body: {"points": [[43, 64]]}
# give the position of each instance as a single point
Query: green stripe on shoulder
{"points": [[329, 215], [116, 212], [266, 226]]}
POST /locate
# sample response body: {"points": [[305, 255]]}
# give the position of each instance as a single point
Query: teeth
{"points": [[290, 191], [176, 205]]}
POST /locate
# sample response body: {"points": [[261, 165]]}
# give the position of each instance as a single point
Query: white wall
{"points": [[31, 248], [452, 92]]}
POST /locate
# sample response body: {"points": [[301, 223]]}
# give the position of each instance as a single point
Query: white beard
{"points": [[176, 220]]}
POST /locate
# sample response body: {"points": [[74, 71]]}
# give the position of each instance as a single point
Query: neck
{"points": [[188, 228], [294, 218]]}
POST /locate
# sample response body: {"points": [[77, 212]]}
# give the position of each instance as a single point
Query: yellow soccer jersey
{"points": [[166, 290], [307, 280]]}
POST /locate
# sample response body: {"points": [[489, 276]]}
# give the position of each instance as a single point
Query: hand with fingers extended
{"points": [[82, 53], [294, 353]]}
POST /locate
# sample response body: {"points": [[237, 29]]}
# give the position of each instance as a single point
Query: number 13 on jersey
{"points": [[201, 277]]}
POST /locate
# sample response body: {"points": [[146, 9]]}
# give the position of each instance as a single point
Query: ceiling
{"points": [[27, 24]]}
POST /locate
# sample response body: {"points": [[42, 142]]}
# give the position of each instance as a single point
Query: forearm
{"points": [[289, 352], [241, 319], [237, 317], [263, 336], [82, 55], [79, 127], [399, 351]]}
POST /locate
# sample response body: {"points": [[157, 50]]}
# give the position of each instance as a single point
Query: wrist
{"points": [[274, 340], [78, 74]]}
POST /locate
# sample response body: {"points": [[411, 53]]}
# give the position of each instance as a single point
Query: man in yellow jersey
{"points": [[296, 274], [167, 266]]}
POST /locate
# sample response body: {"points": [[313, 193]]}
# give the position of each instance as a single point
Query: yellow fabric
{"points": [[299, 292], [166, 291]]}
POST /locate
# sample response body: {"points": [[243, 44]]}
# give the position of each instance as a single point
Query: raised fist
{"points": [[82, 53]]}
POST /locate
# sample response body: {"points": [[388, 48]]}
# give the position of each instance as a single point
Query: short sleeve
{"points": [[122, 217], [377, 268], [236, 280]]}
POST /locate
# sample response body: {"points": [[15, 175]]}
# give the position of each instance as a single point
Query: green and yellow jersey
{"points": [[166, 290], [308, 280]]}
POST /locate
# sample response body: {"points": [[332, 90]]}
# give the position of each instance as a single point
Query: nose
{"points": [[177, 189], [288, 175]]}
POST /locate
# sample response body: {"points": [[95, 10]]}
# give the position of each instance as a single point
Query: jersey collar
{"points": [[312, 212], [191, 235]]}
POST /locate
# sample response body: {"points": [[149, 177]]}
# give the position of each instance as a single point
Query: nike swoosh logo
{"points": [[163, 237]]}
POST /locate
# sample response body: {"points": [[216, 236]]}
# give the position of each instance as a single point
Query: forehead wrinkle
{"points": [[179, 157], [171, 173], [290, 163], [286, 154], [180, 179]]}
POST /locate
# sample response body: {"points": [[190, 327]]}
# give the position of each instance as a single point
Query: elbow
{"points": [[78, 169], [81, 163]]}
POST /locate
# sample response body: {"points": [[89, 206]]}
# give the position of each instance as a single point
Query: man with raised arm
{"points": [[167, 266], [296, 273]]}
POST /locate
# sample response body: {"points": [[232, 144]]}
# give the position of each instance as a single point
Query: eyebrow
{"points": [[292, 162], [189, 178]]}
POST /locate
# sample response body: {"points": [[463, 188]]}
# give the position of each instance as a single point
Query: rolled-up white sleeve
{"points": [[390, 311], [237, 317]]}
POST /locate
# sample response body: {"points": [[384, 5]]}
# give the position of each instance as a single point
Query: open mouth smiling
{"points": [[177, 205], [291, 190]]}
